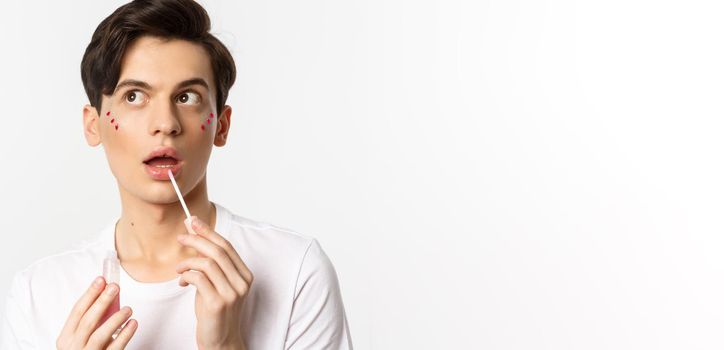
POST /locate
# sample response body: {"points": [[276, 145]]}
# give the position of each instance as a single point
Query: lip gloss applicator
{"points": [[183, 203]]}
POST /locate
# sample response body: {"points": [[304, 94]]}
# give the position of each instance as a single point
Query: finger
{"points": [[187, 223], [103, 335], [90, 319], [207, 232], [125, 336], [209, 267], [215, 252], [82, 305], [203, 285], [203, 229]]}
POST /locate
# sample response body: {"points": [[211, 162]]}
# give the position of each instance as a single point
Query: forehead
{"points": [[163, 63]]}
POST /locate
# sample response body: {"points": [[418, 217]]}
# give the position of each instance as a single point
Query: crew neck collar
{"points": [[156, 290]]}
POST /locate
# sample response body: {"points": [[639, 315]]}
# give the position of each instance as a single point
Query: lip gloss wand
{"points": [[183, 203]]}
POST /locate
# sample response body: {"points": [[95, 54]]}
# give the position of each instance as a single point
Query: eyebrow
{"points": [[193, 81], [145, 85]]}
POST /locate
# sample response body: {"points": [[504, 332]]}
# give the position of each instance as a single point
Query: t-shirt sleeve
{"points": [[318, 319], [15, 331]]}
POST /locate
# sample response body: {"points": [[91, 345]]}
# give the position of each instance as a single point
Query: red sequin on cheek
{"points": [[112, 120], [108, 113], [116, 127], [208, 121], [203, 127], [211, 115]]}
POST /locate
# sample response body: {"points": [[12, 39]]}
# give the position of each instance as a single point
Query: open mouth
{"points": [[160, 161]]}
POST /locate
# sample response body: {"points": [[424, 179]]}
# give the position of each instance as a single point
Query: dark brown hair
{"points": [[166, 19]]}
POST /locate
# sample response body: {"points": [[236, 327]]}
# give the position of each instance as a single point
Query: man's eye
{"points": [[189, 98], [135, 97]]}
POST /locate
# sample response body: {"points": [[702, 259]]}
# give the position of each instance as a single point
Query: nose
{"points": [[164, 120]]}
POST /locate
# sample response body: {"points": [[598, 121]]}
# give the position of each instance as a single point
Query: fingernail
{"points": [[98, 281], [111, 289], [189, 226], [195, 223]]}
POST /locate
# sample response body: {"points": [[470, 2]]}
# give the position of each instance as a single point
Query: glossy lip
{"points": [[163, 151], [157, 173]]}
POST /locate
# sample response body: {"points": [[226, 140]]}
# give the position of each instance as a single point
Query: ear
{"points": [[224, 123], [91, 126]]}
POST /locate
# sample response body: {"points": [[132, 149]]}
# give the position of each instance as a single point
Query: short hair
{"points": [[100, 68]]}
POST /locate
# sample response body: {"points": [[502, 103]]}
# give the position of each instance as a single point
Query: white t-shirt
{"points": [[294, 302]]}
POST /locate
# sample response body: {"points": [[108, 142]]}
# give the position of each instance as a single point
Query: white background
{"points": [[484, 174]]}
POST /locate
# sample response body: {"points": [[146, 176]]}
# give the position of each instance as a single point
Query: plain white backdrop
{"points": [[502, 174]]}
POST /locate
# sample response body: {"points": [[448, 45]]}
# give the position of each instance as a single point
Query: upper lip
{"points": [[163, 151]]}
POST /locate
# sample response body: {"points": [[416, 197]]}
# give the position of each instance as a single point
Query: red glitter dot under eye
{"points": [[203, 127], [112, 120], [208, 121], [116, 127], [108, 113], [211, 115]]}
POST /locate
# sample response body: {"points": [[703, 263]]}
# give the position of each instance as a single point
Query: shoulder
{"points": [[81, 253], [316, 271], [41, 294], [61, 270], [266, 245], [264, 237]]}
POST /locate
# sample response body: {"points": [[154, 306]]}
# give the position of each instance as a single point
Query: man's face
{"points": [[165, 97]]}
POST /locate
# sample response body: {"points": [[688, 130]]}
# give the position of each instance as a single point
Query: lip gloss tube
{"points": [[111, 273]]}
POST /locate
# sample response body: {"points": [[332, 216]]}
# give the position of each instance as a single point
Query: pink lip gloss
{"points": [[111, 273]]}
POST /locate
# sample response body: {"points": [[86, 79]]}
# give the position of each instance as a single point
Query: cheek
{"points": [[112, 119], [116, 145], [208, 121]]}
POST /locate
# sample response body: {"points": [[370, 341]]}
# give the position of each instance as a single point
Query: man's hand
{"points": [[222, 282], [82, 329]]}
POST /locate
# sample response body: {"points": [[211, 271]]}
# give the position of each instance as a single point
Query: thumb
{"points": [[189, 228]]}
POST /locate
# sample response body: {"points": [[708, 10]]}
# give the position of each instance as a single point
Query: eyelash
{"points": [[125, 96], [190, 91]]}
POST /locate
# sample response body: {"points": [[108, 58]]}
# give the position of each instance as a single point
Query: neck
{"points": [[147, 231]]}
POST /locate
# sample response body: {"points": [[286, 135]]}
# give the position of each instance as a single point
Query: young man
{"points": [[157, 82]]}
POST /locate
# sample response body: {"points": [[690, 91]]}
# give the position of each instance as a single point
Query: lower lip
{"points": [[158, 173]]}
